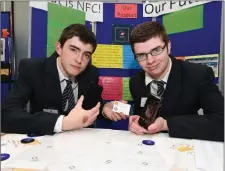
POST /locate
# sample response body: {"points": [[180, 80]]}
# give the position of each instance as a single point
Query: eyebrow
{"points": [[72, 46], [150, 51]]}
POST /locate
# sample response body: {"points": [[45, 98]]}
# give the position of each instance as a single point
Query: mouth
{"points": [[152, 67], [75, 67]]}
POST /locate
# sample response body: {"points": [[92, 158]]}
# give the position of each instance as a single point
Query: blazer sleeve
{"points": [[15, 119], [209, 126]]}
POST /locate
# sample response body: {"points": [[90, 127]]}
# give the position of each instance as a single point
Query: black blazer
{"points": [[190, 87], [38, 81]]}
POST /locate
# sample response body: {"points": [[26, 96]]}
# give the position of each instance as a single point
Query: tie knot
{"points": [[159, 83], [69, 82]]}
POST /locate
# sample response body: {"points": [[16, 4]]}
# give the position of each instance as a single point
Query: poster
{"points": [[107, 56], [185, 20], [210, 60], [126, 89], [125, 10], [129, 61], [121, 34], [60, 17], [112, 87]]}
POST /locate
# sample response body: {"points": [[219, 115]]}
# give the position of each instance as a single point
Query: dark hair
{"points": [[80, 31], [147, 30]]}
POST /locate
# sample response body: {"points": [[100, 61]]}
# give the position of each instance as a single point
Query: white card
{"points": [[120, 107], [143, 101], [51, 111]]}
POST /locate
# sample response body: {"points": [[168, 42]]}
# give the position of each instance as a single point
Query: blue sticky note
{"points": [[129, 61]]}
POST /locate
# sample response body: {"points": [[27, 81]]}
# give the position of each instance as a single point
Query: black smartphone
{"points": [[92, 96], [150, 111]]}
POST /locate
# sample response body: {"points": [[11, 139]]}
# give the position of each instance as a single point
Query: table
{"points": [[105, 149]]}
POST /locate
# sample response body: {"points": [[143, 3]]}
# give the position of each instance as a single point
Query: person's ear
{"points": [[58, 48], [169, 47]]}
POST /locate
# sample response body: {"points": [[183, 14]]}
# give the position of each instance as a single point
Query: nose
{"points": [[79, 58], [150, 59]]}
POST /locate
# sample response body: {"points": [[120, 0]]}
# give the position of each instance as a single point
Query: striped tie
{"points": [[160, 85], [68, 96]]}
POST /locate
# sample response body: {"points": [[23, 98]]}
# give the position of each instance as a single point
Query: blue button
{"points": [[148, 142], [34, 135], [27, 140], [4, 156]]}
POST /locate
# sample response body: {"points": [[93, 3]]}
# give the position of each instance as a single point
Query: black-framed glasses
{"points": [[154, 52]]}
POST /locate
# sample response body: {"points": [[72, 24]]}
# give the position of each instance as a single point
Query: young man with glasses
{"points": [[183, 87]]}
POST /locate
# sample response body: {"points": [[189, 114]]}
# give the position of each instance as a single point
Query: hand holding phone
{"points": [[150, 111]]}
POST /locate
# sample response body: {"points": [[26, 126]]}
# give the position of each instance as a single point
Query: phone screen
{"points": [[92, 96], [150, 111]]}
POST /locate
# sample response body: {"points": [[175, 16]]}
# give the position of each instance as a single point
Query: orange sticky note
{"points": [[125, 10], [180, 58], [5, 33]]}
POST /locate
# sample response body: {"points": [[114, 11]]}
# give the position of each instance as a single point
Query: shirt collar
{"points": [[149, 79], [61, 76]]}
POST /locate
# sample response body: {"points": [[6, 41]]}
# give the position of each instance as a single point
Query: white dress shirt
{"points": [[154, 86], [62, 79]]}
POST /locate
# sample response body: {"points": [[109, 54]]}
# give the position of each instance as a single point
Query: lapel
{"points": [[83, 83], [173, 92], [144, 90], [52, 83]]}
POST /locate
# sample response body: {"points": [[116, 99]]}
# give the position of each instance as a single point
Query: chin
{"points": [[155, 73], [74, 72]]}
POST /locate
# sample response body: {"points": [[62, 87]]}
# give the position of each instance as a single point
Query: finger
{"points": [[114, 118], [91, 121], [123, 116], [80, 101], [123, 101], [96, 108], [133, 118], [156, 126], [138, 127], [95, 115], [134, 130], [117, 116]]}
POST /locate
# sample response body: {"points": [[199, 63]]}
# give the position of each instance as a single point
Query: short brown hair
{"points": [[147, 30], [80, 31]]}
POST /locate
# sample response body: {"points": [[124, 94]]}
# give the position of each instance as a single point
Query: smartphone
{"points": [[150, 111], [92, 96]]}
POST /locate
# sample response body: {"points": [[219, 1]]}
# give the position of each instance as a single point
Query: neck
{"points": [[61, 67]]}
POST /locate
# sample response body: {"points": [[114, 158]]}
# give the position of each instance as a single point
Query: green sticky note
{"points": [[184, 20], [60, 17], [126, 89]]}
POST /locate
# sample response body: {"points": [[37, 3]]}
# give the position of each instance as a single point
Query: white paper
{"points": [[10, 143], [2, 50], [92, 149], [209, 155], [93, 10], [154, 9]]}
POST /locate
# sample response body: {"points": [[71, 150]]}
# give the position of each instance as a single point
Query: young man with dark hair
{"points": [[183, 87], [54, 86]]}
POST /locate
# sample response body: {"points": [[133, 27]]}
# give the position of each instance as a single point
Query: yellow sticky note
{"points": [[35, 142], [184, 149], [108, 56]]}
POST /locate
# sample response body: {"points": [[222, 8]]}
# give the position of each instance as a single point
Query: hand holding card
{"points": [[120, 107]]}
